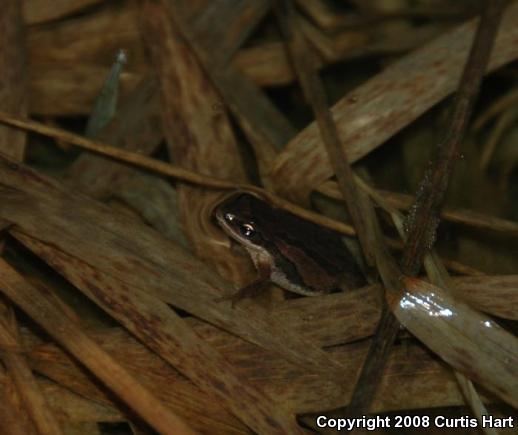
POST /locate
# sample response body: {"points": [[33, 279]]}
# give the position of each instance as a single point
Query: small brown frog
{"points": [[291, 252]]}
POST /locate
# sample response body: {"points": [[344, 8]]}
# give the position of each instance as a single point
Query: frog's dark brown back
{"points": [[322, 244]]}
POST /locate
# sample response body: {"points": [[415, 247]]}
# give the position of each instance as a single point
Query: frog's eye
{"points": [[247, 230]]}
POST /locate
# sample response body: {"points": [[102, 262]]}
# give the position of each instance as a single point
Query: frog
{"points": [[297, 255]]}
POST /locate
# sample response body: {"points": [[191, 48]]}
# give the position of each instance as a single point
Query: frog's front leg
{"points": [[252, 289]]}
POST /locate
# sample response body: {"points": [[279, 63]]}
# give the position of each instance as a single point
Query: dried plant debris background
{"points": [[123, 124]]}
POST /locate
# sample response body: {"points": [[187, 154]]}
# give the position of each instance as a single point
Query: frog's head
{"points": [[238, 217]]}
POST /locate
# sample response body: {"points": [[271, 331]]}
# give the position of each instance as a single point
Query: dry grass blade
{"points": [[175, 391], [79, 409], [13, 98], [473, 399], [472, 343], [204, 143], [118, 153], [243, 98], [221, 28], [161, 329], [13, 91], [301, 55], [16, 365], [496, 295], [13, 419], [41, 309], [376, 110], [461, 216], [350, 316]]}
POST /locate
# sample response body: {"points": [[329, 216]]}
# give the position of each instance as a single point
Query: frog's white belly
{"points": [[277, 276]]}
